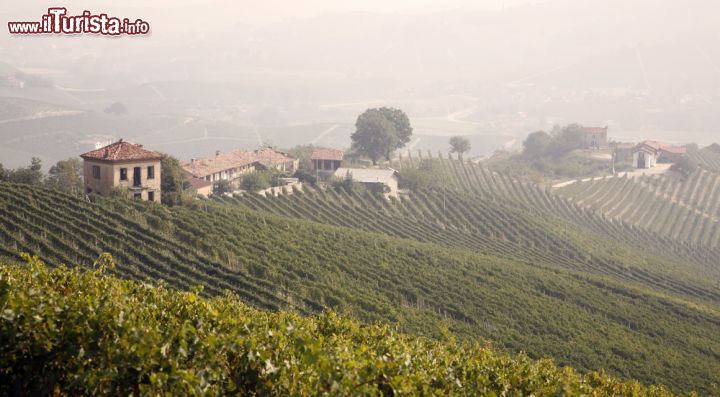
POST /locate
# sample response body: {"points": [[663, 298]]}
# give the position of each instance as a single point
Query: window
{"points": [[123, 174], [151, 172], [137, 196], [151, 196], [96, 171], [137, 178]]}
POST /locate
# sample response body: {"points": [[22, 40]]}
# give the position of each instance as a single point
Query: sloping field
{"points": [[576, 317]]}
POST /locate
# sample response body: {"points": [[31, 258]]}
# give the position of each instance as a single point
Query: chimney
{"points": [[192, 160], [217, 152], [120, 141]]}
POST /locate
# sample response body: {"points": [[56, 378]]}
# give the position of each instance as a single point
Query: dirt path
{"points": [[659, 169]]}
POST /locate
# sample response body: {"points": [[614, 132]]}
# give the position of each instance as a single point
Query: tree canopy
{"points": [[30, 175], [459, 145], [559, 142], [66, 176], [171, 180], [378, 132]]}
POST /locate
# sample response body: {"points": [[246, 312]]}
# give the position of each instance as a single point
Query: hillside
{"points": [[682, 209], [707, 157], [168, 342], [629, 328]]}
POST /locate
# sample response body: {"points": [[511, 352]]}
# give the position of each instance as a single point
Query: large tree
{"points": [[171, 180], [459, 145], [536, 144], [566, 139], [378, 132], [66, 175]]}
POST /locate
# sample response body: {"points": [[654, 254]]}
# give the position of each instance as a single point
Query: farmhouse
{"points": [[233, 165], [384, 180], [595, 137], [270, 158], [123, 165], [326, 161], [648, 153], [201, 186]]}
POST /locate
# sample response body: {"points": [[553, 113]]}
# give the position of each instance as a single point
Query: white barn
{"points": [[387, 177]]}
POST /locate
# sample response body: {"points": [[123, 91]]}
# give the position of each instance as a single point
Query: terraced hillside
{"points": [[498, 215], [582, 318], [681, 209], [707, 157]]}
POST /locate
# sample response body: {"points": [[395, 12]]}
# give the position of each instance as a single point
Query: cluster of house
{"points": [[129, 166], [642, 155]]}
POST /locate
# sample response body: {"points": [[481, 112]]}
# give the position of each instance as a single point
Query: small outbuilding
{"points": [[648, 153], [202, 187], [384, 180], [326, 161]]}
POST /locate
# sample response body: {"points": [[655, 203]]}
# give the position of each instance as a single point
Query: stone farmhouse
{"points": [[595, 137], [326, 161], [648, 153], [232, 166], [123, 165], [384, 180]]}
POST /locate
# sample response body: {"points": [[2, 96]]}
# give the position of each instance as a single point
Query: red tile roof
{"points": [[236, 159], [326, 154], [221, 162], [272, 156], [122, 151], [198, 183], [674, 149], [657, 147]]}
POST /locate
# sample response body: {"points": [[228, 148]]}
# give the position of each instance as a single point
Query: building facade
{"points": [[382, 180], [124, 166], [648, 153], [326, 161], [232, 166], [595, 137]]}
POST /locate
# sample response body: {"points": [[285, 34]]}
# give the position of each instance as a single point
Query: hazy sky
{"points": [[259, 11]]}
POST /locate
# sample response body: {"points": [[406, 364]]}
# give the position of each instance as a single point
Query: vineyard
{"points": [[499, 216], [708, 157], [58, 324], [684, 210], [599, 319]]}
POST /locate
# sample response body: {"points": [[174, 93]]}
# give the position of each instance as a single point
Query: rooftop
{"points": [[198, 183], [326, 154], [366, 175], [122, 151], [238, 158], [657, 146]]}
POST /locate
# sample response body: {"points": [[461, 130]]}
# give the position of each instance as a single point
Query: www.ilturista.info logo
{"points": [[56, 21]]}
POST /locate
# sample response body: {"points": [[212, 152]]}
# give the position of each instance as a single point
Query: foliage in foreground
{"points": [[66, 331]]}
